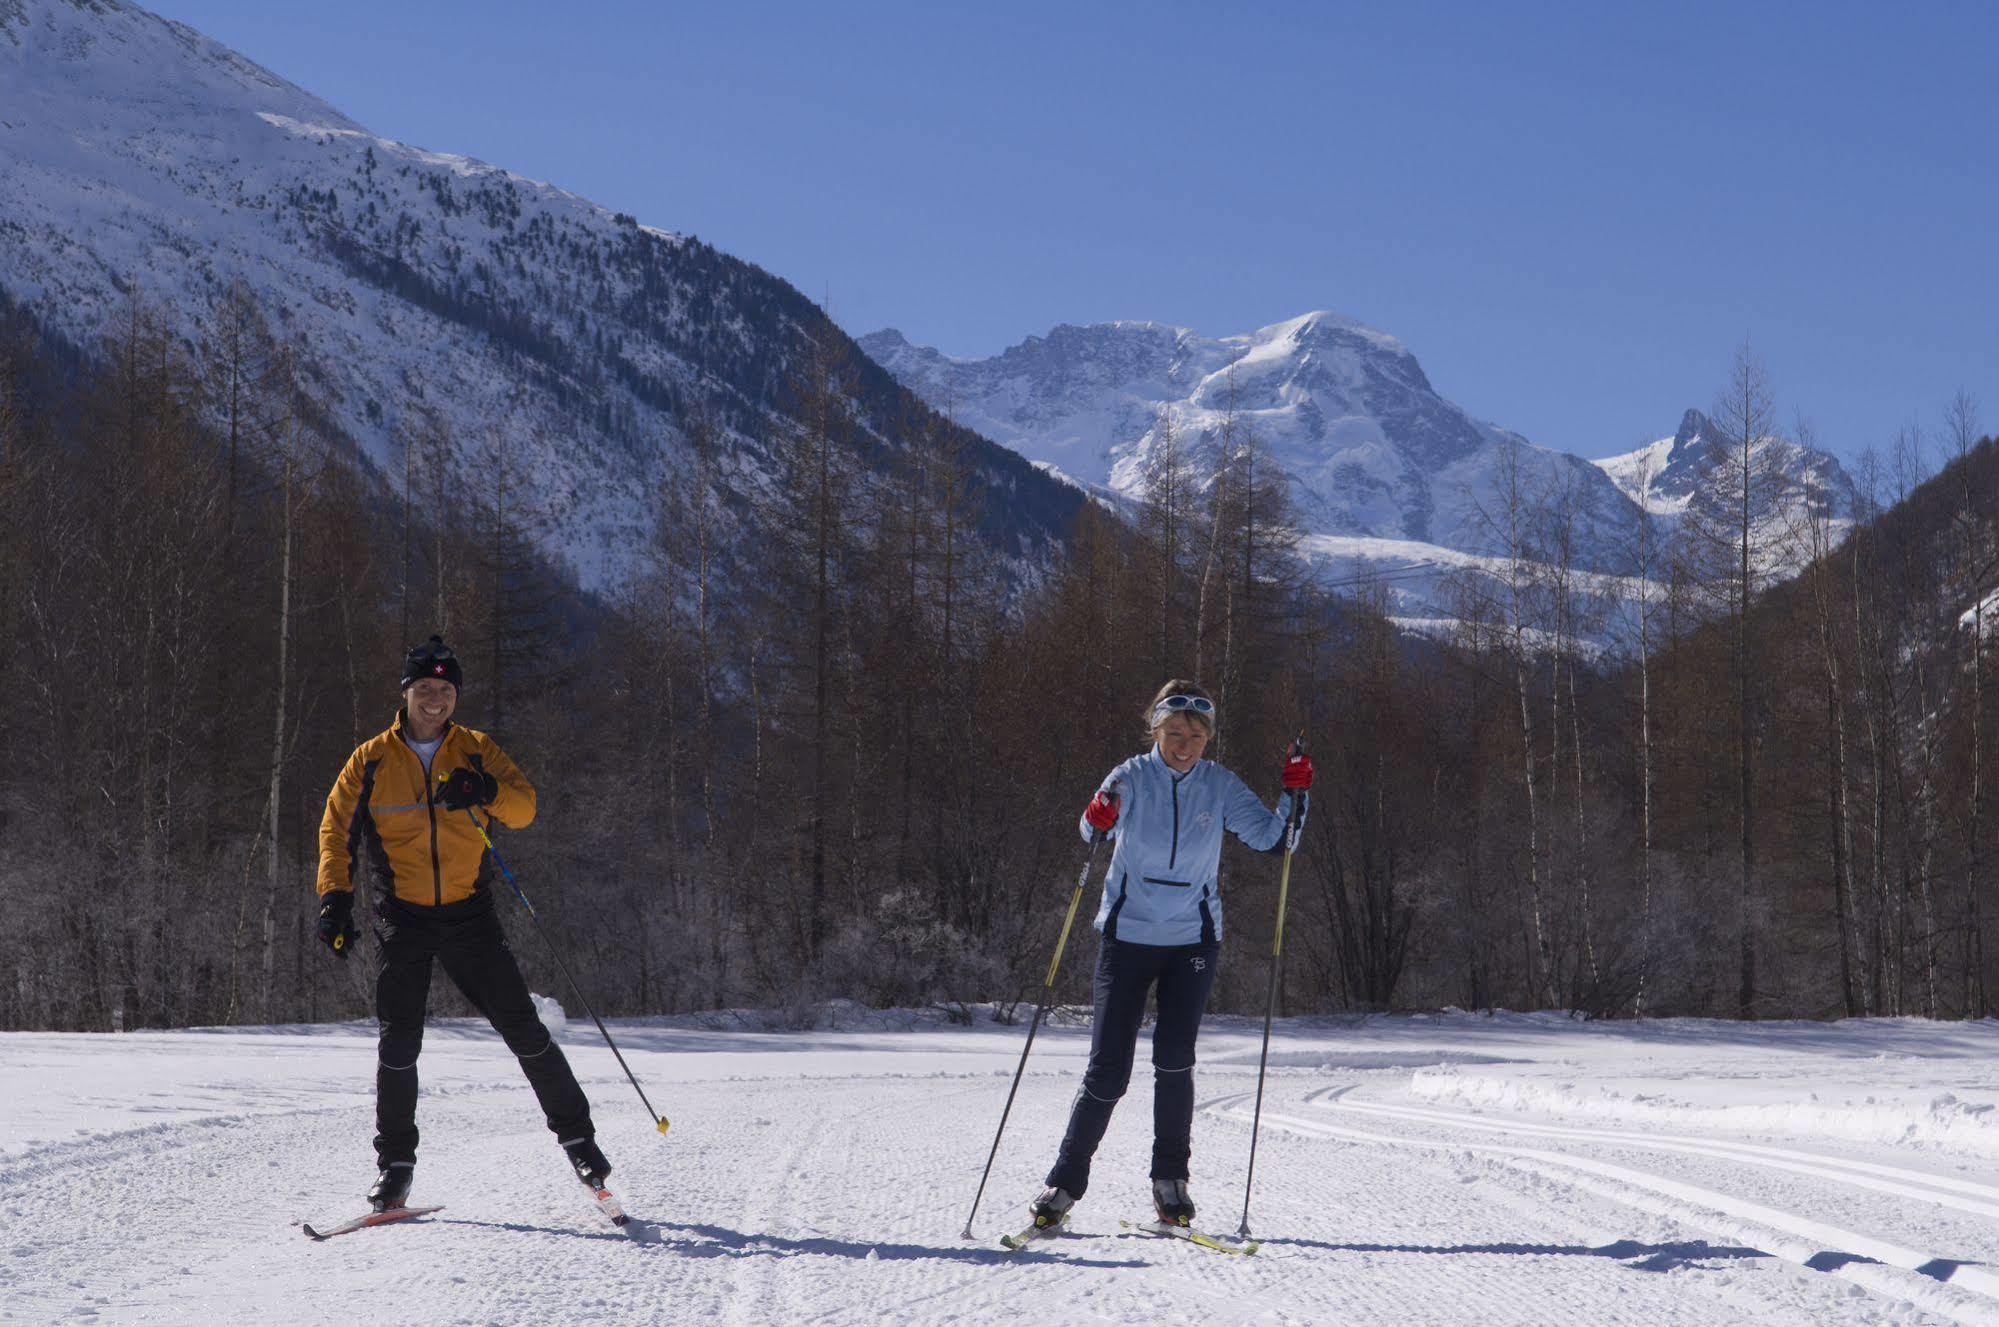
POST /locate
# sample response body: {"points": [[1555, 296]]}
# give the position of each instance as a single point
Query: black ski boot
{"points": [[1174, 1203], [588, 1161], [392, 1186], [1051, 1208]]}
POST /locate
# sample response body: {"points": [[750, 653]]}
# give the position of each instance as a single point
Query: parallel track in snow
{"points": [[1900, 1181], [1961, 1291]]}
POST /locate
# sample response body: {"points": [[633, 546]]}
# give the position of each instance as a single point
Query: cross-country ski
{"points": [[1198, 1238], [368, 1220], [1028, 1234], [613, 1210]]}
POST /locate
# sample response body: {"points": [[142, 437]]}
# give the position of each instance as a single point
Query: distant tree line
{"points": [[848, 761]]}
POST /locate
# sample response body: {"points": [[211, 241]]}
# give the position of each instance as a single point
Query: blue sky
{"points": [[1571, 213]]}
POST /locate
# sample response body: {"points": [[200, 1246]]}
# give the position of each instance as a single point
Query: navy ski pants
{"points": [[469, 942], [1126, 975]]}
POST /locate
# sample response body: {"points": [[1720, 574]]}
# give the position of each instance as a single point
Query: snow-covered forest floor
{"points": [[1448, 1169]]}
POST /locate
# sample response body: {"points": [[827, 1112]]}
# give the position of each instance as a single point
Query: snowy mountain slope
{"points": [[427, 288], [1672, 474], [1640, 476], [1419, 580], [1452, 1169], [1370, 448], [1982, 616]]}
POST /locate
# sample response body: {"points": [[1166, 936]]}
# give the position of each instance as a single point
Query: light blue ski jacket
{"points": [[1161, 888]]}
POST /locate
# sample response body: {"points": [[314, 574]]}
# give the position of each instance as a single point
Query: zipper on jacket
{"points": [[436, 871], [430, 802], [429, 795], [1175, 854]]}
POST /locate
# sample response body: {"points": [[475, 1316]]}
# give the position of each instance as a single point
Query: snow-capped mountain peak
{"points": [[1670, 474], [1660, 475], [1344, 409], [1387, 476]]}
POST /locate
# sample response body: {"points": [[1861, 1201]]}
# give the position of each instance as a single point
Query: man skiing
{"points": [[1161, 919], [403, 798]]}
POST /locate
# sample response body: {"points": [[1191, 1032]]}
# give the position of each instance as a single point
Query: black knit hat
{"points": [[433, 658]]}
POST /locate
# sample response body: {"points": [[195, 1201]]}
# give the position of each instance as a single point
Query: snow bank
{"points": [[551, 1013]]}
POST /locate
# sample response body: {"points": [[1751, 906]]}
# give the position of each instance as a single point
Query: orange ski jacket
{"points": [[420, 852]]}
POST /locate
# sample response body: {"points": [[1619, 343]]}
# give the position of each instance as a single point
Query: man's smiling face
{"points": [[430, 702]]}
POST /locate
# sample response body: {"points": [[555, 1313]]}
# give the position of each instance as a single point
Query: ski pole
{"points": [[1291, 830], [1047, 990], [501, 862]]}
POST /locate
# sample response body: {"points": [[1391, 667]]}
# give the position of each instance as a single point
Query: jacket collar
{"points": [[1159, 758]]}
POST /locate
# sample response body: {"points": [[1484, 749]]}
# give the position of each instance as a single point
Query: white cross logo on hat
{"points": [[438, 669]]}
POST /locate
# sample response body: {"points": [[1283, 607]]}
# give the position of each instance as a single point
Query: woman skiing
{"points": [[1161, 919]]}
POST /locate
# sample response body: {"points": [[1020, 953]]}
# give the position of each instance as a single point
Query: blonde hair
{"points": [[1179, 686]]}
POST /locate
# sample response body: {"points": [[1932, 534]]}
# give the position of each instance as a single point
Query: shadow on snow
{"points": [[1639, 1256], [711, 1241]]}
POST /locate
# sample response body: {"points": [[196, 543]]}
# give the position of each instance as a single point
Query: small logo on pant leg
{"points": [[1200, 964]]}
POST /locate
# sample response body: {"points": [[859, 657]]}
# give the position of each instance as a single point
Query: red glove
{"points": [[1297, 771], [1102, 811]]}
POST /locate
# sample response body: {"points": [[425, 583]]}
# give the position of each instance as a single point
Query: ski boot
{"points": [[392, 1186], [1174, 1204], [1051, 1208], [588, 1160]]}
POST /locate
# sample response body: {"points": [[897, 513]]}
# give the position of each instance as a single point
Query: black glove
{"points": [[336, 921], [465, 787]]}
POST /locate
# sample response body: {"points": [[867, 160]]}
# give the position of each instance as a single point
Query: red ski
{"points": [[612, 1209], [389, 1217]]}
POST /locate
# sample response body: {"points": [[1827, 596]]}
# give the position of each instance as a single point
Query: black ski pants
{"points": [[467, 939], [1126, 975]]}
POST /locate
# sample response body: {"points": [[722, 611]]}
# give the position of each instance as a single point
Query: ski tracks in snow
{"points": [[1778, 1215], [824, 1184]]}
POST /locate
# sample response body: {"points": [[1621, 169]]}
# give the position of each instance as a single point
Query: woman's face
{"points": [[1181, 742]]}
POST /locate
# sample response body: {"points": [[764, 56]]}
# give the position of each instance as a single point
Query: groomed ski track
{"points": [[822, 1177]]}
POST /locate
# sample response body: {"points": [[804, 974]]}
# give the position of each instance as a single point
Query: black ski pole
{"points": [[1041, 1007], [519, 893], [1297, 821]]}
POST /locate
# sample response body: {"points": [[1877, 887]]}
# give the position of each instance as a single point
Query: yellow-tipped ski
{"points": [[1193, 1236], [1019, 1241]]}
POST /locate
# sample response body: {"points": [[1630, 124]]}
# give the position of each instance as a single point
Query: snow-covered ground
{"points": [[1422, 583], [1449, 1169]]}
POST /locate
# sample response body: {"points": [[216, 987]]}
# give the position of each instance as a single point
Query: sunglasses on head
{"points": [[1175, 703], [432, 652]]}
